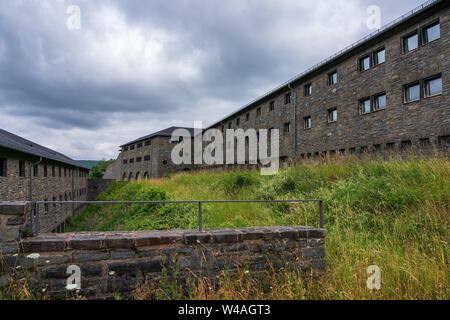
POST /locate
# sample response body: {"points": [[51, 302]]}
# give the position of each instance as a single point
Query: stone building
{"points": [[29, 171], [387, 93], [147, 157]]}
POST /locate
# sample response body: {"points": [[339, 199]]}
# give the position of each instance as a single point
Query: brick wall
{"points": [[114, 263]]}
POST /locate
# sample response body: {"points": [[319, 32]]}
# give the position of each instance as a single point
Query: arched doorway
{"points": [[130, 176], [124, 177], [137, 176], [146, 177]]}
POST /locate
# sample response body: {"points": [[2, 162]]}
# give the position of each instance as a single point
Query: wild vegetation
{"points": [[393, 214]]}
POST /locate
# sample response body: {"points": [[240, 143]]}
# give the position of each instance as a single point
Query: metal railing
{"points": [[34, 216], [339, 53]]}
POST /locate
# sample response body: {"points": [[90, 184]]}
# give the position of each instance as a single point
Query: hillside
{"points": [[392, 214], [89, 163]]}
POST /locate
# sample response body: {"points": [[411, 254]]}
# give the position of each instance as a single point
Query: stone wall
{"points": [[114, 263], [97, 186], [53, 181], [14, 220]]}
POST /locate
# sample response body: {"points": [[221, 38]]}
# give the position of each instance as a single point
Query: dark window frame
{"points": [[258, 112], [330, 80], [424, 34], [272, 106], [22, 170], [404, 39], [308, 89], [375, 104], [4, 167], [287, 128], [424, 86], [409, 85], [375, 57], [287, 98], [330, 115], [361, 62], [307, 124]]}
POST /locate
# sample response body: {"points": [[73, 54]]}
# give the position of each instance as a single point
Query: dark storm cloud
{"points": [[147, 65]]}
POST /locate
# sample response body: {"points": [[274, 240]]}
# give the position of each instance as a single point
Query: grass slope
{"points": [[392, 214]]}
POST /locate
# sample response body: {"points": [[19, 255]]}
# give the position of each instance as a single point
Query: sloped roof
{"points": [[163, 133], [14, 142]]}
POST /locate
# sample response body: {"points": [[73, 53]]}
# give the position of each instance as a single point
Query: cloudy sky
{"points": [[135, 67]]}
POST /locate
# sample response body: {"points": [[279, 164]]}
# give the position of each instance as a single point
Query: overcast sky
{"points": [[135, 67]]}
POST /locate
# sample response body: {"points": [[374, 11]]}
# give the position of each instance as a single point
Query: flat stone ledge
{"points": [[135, 239], [14, 208]]}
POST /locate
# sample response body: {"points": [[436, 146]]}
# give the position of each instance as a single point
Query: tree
{"points": [[98, 171]]}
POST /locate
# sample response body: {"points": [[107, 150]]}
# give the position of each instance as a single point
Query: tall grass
{"points": [[393, 214]]}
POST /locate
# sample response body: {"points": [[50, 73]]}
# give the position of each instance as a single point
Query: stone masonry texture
{"points": [[114, 263]]}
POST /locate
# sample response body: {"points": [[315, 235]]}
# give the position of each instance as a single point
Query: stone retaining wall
{"points": [[114, 263]]}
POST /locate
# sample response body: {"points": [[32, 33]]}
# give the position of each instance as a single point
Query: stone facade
{"points": [[97, 186], [114, 263], [423, 124], [53, 181]]}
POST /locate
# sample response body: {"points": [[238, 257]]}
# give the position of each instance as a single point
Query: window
{"points": [[258, 112], [21, 168], [405, 145], [379, 57], [125, 161], [54, 199], [45, 170], [131, 160], [364, 149], [3, 168], [365, 106], [424, 143], [59, 171], [332, 78], [287, 98], [307, 122], [390, 146], [53, 171], [444, 141], [238, 121], [379, 102], [35, 170], [148, 143], [410, 42], [332, 115], [308, 89], [432, 86], [132, 147], [125, 148], [287, 128], [412, 92], [364, 63], [46, 205], [247, 116], [165, 162], [431, 33], [146, 158], [139, 159], [377, 147], [139, 145], [272, 106]]}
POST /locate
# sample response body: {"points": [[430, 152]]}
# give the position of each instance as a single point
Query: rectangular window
{"points": [[125, 149], [332, 115], [35, 170], [139, 145], [258, 112], [412, 92], [379, 102], [148, 143], [146, 158], [390, 146], [131, 160], [444, 141], [229, 125], [379, 57], [139, 159], [365, 106], [53, 171], [431, 32], [3, 168], [59, 170], [247, 116], [272, 106], [287, 98], [45, 170], [307, 122], [364, 63], [237, 121], [125, 161], [432, 86], [308, 89], [424, 143], [132, 147], [287, 127], [332, 78], [410, 42], [405, 145], [21, 168]]}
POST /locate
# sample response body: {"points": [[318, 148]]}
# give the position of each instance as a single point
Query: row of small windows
{"points": [[423, 143], [67, 197], [137, 176], [410, 42], [138, 159], [138, 145], [424, 88], [61, 171]]}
